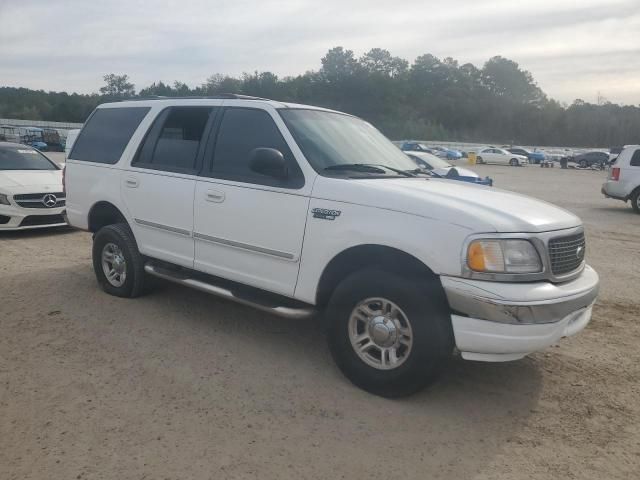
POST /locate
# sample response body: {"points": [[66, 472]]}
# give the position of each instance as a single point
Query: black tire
{"points": [[635, 200], [583, 164], [427, 311], [119, 234], [479, 160], [514, 162]]}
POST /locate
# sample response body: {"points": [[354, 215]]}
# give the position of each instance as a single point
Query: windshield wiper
{"points": [[421, 171], [369, 168], [356, 167]]}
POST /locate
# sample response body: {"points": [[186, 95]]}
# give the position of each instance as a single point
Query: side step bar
{"points": [[291, 312]]}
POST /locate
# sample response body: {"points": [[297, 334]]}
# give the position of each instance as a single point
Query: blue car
{"points": [[448, 153], [440, 168], [534, 157]]}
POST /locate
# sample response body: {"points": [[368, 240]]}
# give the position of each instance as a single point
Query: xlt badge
{"points": [[325, 214]]}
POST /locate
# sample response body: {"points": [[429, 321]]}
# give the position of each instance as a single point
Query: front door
{"points": [[249, 227], [158, 189]]}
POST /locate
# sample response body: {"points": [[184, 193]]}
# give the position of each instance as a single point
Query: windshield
{"points": [[21, 157], [329, 139]]}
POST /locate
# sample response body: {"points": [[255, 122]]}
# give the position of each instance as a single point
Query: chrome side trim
{"points": [[166, 228], [282, 311], [245, 246]]}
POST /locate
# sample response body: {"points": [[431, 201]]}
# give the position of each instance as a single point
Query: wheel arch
{"points": [[104, 213], [358, 257]]}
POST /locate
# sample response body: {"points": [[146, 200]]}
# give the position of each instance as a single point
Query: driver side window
{"points": [[241, 131]]}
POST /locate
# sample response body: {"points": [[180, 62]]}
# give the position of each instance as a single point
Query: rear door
{"points": [[159, 186], [249, 227]]}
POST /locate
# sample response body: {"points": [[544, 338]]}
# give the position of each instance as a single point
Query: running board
{"points": [[266, 304]]}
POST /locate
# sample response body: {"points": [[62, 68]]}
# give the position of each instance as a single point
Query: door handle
{"points": [[131, 182], [214, 196]]}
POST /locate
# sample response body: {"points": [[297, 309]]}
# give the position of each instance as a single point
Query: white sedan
{"points": [[501, 157], [31, 194]]}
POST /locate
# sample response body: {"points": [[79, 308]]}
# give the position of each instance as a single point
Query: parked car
{"points": [[501, 157], [590, 159], [31, 194], [448, 153], [299, 210], [623, 180], [555, 155], [533, 156], [439, 167], [421, 147], [70, 140]]}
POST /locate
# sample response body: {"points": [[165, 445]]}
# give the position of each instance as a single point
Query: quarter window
{"points": [[635, 159], [174, 140], [106, 134], [241, 131]]}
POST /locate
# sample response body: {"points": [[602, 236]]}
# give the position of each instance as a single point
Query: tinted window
{"points": [[20, 157], [635, 160], [241, 131], [174, 140], [106, 134]]}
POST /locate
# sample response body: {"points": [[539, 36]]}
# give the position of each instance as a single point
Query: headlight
{"points": [[503, 256], [4, 200]]}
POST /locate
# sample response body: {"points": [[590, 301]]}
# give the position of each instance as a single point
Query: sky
{"points": [[574, 48]]}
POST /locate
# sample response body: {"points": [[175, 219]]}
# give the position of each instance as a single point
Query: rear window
{"points": [[106, 134], [635, 159]]}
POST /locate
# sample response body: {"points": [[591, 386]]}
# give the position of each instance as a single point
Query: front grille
{"points": [[566, 253], [36, 200], [37, 220]]}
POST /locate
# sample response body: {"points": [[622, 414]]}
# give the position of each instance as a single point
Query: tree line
{"points": [[431, 99]]}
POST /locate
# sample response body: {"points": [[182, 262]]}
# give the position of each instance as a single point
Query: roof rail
{"points": [[219, 96]]}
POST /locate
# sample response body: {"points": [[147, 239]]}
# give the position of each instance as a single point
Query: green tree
{"points": [[117, 86]]}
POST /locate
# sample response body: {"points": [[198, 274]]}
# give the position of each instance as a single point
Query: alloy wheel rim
{"points": [[380, 333], [114, 265]]}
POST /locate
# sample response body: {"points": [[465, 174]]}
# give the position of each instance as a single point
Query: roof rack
{"points": [[235, 96]]}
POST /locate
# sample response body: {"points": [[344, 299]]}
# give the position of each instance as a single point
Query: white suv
{"points": [[299, 210], [623, 181]]}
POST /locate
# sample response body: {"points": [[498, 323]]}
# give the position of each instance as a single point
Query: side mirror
{"points": [[268, 161]]}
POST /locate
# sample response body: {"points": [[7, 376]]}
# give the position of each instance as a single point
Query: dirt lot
{"points": [[179, 384]]}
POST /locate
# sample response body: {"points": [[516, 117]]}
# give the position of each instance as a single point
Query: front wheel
{"points": [[479, 160], [118, 265], [583, 164], [389, 334], [514, 162]]}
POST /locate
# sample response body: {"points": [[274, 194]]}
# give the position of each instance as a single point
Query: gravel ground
{"points": [[179, 384]]}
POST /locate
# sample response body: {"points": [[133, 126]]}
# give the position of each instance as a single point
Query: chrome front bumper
{"points": [[497, 321], [521, 303]]}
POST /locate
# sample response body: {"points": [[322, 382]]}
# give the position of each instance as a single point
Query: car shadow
{"points": [[275, 375], [35, 233]]}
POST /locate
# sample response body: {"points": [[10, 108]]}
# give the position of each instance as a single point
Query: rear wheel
{"points": [[635, 200], [118, 265], [388, 334]]}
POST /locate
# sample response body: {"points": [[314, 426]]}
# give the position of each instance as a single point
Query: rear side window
{"points": [[106, 134], [174, 141], [635, 159], [241, 131]]}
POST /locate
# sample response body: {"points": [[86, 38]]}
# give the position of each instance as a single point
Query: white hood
{"points": [[476, 207], [26, 181]]}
